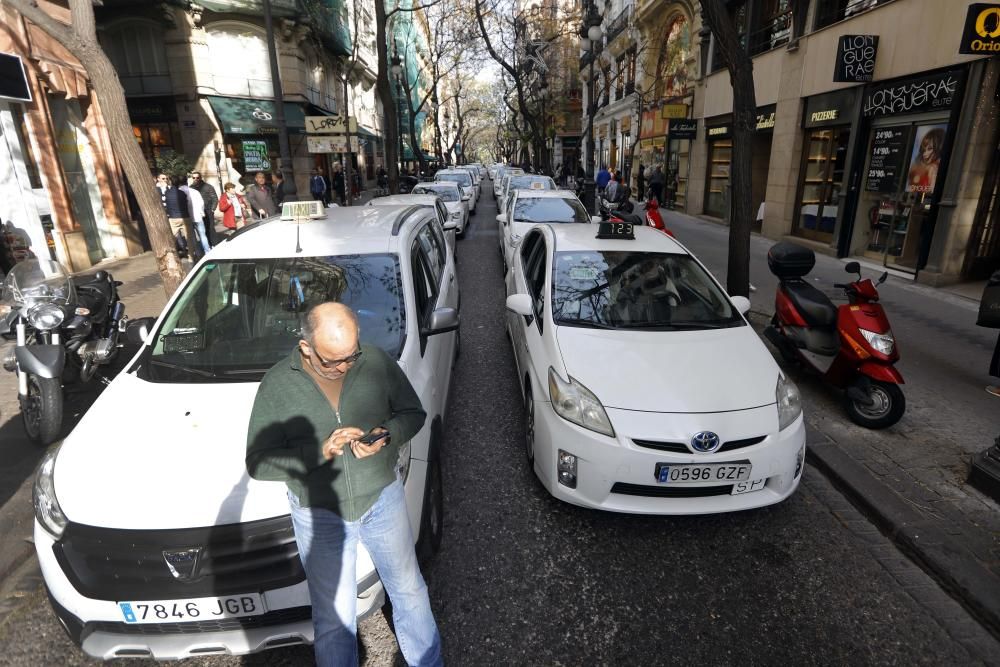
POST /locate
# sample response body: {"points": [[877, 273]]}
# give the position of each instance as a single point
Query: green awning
{"points": [[365, 132], [241, 115]]}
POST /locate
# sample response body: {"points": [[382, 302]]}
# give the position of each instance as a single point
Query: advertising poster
{"points": [[885, 166], [255, 156], [925, 160]]}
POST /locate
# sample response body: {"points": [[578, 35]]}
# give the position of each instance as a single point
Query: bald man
{"points": [[328, 421]]}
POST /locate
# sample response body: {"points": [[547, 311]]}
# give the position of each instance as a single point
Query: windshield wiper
{"points": [[576, 321], [684, 325], [186, 369]]}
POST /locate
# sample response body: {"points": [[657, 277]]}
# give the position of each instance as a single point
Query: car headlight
{"points": [[575, 403], [45, 316], [456, 215], [789, 401], [43, 496], [881, 342]]}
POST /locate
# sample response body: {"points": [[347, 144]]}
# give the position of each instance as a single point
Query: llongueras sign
{"points": [[982, 30]]}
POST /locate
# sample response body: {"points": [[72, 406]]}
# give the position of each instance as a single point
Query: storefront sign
{"points": [[933, 92], [718, 132], [885, 165], [672, 111], [333, 144], [255, 156], [834, 108], [13, 81], [151, 109], [684, 129], [765, 118], [329, 124], [652, 125], [982, 30], [855, 58]]}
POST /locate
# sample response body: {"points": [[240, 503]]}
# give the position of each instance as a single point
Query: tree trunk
{"points": [[383, 89], [740, 68], [80, 39]]}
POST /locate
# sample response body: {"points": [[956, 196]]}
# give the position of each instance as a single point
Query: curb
{"points": [[934, 550]]}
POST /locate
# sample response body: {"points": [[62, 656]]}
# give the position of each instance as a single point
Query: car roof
{"points": [[437, 184], [576, 238], [403, 200], [528, 193], [451, 171], [344, 230]]}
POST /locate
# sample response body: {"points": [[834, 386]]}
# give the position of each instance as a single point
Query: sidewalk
{"points": [[910, 480]]}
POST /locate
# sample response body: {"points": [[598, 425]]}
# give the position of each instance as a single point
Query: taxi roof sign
{"points": [[616, 230], [297, 210], [537, 185]]}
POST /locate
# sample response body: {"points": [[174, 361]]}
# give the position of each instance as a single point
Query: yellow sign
{"points": [[668, 111], [982, 30], [820, 116], [329, 124]]}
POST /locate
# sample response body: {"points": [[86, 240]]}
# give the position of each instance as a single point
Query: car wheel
{"points": [[887, 406], [432, 519], [42, 409], [529, 428]]}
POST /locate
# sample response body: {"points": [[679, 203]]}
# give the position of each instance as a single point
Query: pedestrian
{"points": [[178, 214], [311, 410], [211, 199], [338, 184], [235, 211], [382, 180], [641, 185], [656, 180], [260, 198], [601, 179], [672, 185], [196, 207], [279, 188], [611, 190], [989, 316], [318, 186]]}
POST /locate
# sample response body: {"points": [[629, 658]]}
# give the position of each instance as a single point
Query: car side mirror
{"points": [[853, 267], [466, 197], [137, 331], [502, 219], [596, 219], [520, 304], [442, 321], [450, 225], [741, 303]]}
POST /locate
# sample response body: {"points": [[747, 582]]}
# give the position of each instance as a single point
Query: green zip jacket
{"points": [[292, 418]]}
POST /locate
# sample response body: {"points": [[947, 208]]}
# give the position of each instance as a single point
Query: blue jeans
{"points": [[328, 548], [199, 227]]}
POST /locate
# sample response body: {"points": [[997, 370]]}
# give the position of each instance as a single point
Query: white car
{"points": [[454, 200], [524, 181], [501, 174], [645, 389], [464, 179], [527, 208], [448, 223], [152, 539]]}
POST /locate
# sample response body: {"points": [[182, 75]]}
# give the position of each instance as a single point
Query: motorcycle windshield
{"points": [[37, 281]]}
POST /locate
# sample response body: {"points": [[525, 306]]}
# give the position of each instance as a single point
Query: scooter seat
{"points": [[814, 306]]}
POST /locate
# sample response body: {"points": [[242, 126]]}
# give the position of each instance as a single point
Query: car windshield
{"points": [[629, 290], [464, 179], [531, 183], [446, 193], [237, 318], [549, 209]]}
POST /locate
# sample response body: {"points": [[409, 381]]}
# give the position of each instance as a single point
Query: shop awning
{"points": [[365, 132], [241, 115]]}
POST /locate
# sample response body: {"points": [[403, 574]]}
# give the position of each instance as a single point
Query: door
{"points": [[527, 331], [434, 279]]}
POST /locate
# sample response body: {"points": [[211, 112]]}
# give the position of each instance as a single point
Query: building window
{"points": [[824, 159], [241, 66], [767, 24], [136, 50], [622, 68], [831, 11], [27, 152], [717, 193]]}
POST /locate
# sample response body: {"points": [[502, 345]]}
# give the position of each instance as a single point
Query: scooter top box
{"points": [[790, 260]]}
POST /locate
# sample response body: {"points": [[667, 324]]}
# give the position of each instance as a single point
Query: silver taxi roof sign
{"points": [[303, 210]]}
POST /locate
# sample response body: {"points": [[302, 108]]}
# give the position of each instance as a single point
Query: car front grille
{"points": [[271, 618], [671, 491], [682, 447], [113, 564]]}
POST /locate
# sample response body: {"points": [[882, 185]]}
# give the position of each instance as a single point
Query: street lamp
{"points": [[397, 73], [543, 88], [590, 40]]}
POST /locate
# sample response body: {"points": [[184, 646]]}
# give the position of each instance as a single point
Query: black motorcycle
{"points": [[622, 203], [63, 330]]}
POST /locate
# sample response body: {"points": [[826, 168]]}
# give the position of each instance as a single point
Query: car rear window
{"points": [[549, 209], [444, 192], [464, 179]]}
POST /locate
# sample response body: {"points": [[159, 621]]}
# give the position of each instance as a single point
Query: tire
{"points": [[529, 429], [42, 409], [432, 518], [890, 404]]}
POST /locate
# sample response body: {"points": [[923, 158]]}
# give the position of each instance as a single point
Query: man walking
{"points": [[279, 188], [211, 199], [311, 411], [611, 191], [176, 206], [601, 179], [317, 186], [259, 197], [196, 208], [641, 185], [338, 184], [656, 184]]}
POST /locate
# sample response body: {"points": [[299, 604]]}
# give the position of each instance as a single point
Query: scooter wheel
{"points": [[887, 407], [42, 409]]}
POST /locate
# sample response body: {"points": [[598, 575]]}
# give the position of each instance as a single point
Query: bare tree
{"points": [[80, 39]]}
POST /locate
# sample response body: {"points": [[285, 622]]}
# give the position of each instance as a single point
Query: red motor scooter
{"points": [[851, 346], [653, 217]]}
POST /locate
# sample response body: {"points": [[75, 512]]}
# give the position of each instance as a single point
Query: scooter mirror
{"points": [[853, 267], [883, 278]]}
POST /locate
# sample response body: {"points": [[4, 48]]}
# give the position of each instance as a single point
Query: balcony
{"points": [[618, 24]]}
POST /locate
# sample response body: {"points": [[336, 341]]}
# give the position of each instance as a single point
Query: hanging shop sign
{"points": [[885, 164], [13, 80], [834, 108], [332, 144], [683, 129], [765, 118], [717, 132], [652, 124], [255, 156], [982, 30], [928, 92], [855, 58], [330, 124], [672, 111]]}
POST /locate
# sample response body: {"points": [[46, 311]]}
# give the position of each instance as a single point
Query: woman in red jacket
{"points": [[234, 208]]}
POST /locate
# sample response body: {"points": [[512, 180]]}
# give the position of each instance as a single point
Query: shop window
{"points": [[621, 66], [238, 52], [136, 49], [822, 182], [27, 152], [156, 141], [717, 194], [831, 11]]}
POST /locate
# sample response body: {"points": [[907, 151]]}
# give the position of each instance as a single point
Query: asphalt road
{"points": [[524, 579]]}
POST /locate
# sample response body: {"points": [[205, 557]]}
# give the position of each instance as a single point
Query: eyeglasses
{"points": [[333, 363], [161, 178]]}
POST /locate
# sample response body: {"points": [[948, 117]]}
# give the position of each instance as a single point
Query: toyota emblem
{"points": [[705, 442]]}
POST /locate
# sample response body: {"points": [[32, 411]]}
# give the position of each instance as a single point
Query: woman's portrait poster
{"points": [[925, 160]]}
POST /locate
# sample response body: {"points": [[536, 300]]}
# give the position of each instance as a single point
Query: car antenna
{"points": [[298, 245]]}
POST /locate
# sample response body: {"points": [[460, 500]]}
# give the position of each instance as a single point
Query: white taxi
{"points": [[645, 389], [465, 180], [152, 540], [526, 208]]}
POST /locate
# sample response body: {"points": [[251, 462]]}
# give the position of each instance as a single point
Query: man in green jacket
{"points": [[312, 410]]}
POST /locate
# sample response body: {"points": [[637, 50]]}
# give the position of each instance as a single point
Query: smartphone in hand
{"points": [[372, 437]]}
